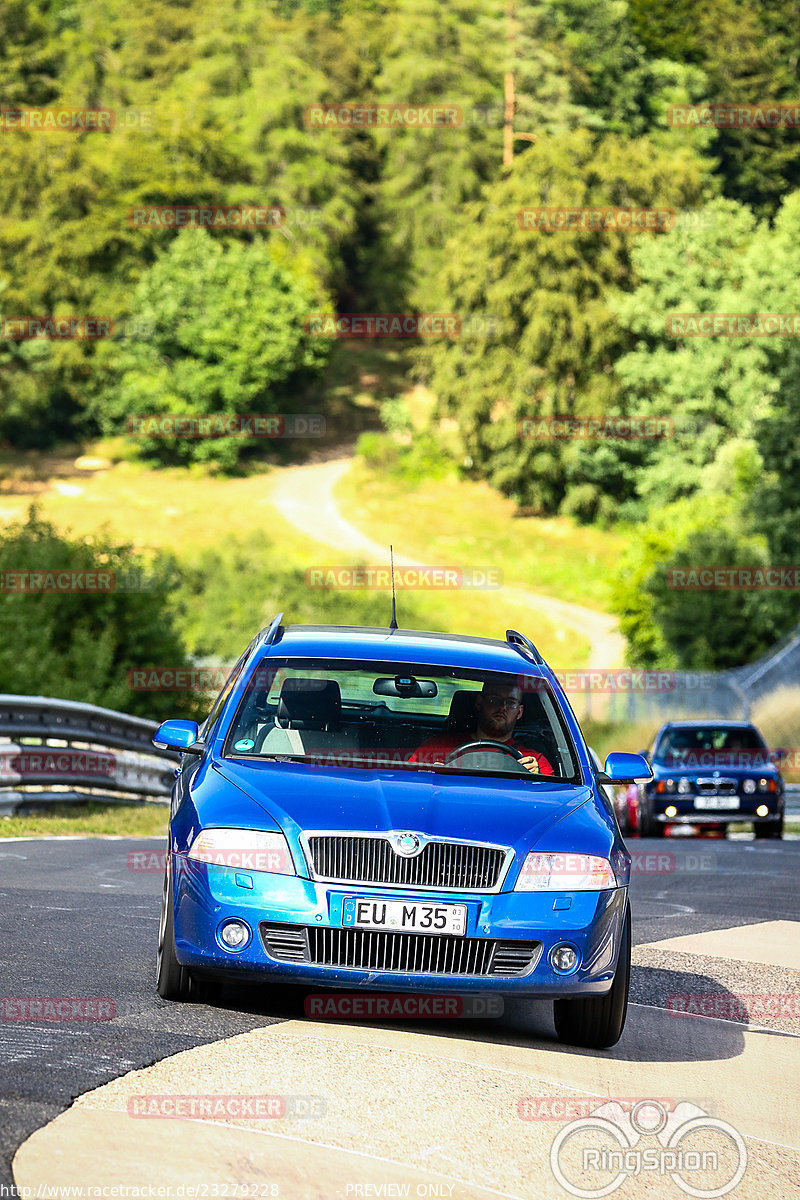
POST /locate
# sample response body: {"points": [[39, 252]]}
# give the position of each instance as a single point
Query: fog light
{"points": [[234, 935], [564, 959], [670, 811], [762, 811]]}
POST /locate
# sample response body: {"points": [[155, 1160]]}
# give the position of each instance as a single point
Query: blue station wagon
{"points": [[403, 812]]}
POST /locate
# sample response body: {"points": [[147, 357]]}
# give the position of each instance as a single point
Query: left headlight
{"points": [[565, 873], [246, 849]]}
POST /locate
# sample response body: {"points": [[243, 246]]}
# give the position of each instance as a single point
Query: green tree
{"points": [[81, 645], [224, 335], [552, 292]]}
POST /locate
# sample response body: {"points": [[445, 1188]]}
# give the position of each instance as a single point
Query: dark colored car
{"points": [[711, 773]]}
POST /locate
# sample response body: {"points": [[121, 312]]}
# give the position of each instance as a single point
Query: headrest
{"points": [[310, 703], [462, 715]]}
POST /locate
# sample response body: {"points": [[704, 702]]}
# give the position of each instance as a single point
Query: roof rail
{"points": [[273, 632], [523, 645]]}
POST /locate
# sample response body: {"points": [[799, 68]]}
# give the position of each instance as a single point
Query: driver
{"points": [[498, 707]]}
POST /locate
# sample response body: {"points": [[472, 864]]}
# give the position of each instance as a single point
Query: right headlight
{"points": [[565, 873], [245, 849]]}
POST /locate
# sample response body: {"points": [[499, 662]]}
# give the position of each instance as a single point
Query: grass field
{"points": [[190, 511], [454, 521], [86, 820]]}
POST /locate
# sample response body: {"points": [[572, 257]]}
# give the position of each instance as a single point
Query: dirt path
{"points": [[304, 496]]}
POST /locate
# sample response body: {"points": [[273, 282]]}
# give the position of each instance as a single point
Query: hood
{"points": [[301, 797]]}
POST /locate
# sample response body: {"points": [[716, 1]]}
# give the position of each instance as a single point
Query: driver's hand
{"points": [[530, 763]]}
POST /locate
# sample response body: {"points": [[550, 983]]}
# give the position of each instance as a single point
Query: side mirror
{"points": [[178, 735], [625, 768]]}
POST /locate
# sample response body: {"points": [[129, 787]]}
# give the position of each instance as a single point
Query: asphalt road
{"points": [[78, 921]]}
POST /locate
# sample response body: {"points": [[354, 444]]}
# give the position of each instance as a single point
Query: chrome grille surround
{"points": [[441, 864], [377, 950]]}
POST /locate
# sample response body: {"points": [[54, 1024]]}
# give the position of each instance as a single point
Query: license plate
{"points": [[716, 802], [396, 915]]}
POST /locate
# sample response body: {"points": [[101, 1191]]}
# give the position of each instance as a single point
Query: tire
{"points": [[769, 829], [648, 825], [596, 1022], [173, 981]]}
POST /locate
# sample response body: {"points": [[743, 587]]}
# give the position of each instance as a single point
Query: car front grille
{"points": [[716, 787], [351, 858], [404, 953]]}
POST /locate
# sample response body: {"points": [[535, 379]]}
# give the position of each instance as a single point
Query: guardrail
{"points": [[63, 752]]}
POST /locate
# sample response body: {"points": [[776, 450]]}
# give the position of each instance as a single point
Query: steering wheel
{"points": [[485, 743]]}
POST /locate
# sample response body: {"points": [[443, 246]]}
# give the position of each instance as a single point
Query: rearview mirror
{"points": [[178, 735], [625, 768], [405, 686]]}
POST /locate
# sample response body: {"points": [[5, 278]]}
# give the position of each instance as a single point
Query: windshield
{"points": [[707, 745], [401, 715]]}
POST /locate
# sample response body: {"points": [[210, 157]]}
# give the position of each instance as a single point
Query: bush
{"points": [[80, 645]]}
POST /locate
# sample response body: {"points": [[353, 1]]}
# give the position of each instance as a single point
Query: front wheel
{"points": [[648, 825], [173, 981], [596, 1022], [769, 829]]}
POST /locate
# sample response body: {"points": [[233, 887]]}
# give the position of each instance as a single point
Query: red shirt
{"points": [[440, 745]]}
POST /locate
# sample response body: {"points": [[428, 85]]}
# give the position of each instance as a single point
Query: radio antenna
{"points": [[393, 624]]}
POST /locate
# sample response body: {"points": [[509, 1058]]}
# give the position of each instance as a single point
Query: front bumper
{"points": [[207, 896]]}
